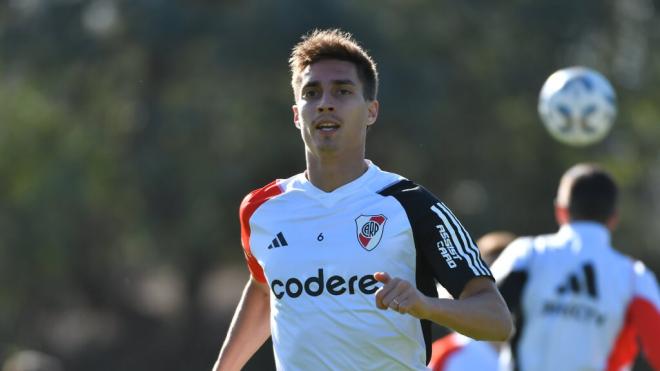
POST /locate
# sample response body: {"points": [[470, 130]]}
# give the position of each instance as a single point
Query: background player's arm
{"points": [[641, 324], [479, 312], [646, 320], [249, 328], [510, 272]]}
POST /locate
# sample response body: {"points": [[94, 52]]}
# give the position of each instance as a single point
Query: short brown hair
{"points": [[589, 193], [333, 44]]}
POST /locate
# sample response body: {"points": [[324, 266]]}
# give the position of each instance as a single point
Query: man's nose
{"points": [[326, 104]]}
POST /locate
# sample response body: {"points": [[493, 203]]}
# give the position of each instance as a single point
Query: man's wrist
{"points": [[427, 308]]}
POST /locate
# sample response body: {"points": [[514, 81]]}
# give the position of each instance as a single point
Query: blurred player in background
{"points": [[578, 303], [344, 256], [456, 352]]}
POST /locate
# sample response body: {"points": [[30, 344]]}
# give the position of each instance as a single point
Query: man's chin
{"points": [[326, 150], [326, 146]]}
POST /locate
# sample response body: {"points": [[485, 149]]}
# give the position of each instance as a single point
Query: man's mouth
{"points": [[327, 125]]}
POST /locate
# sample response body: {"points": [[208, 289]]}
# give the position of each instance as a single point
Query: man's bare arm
{"points": [[249, 328], [479, 312]]}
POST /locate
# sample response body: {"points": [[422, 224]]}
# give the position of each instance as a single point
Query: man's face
{"points": [[331, 111]]}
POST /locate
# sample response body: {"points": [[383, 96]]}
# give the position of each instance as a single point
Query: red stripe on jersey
{"points": [[643, 320], [378, 219], [249, 205], [442, 349]]}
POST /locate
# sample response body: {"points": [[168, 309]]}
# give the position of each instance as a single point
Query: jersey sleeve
{"points": [[641, 323], [514, 258], [645, 313], [445, 249], [250, 204]]}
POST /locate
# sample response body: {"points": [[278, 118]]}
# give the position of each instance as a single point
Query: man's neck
{"points": [[330, 174]]}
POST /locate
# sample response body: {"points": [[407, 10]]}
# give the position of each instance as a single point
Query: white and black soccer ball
{"points": [[577, 105]]}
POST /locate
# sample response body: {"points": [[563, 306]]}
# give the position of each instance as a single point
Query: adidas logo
{"points": [[278, 241], [585, 279]]}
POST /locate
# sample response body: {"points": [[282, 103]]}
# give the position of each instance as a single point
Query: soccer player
{"points": [[456, 352], [577, 302], [344, 256]]}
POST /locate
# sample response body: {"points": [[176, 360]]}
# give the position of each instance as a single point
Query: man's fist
{"points": [[399, 295]]}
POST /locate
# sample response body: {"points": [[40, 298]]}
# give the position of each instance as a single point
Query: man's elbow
{"points": [[500, 331], [501, 326], [506, 327]]}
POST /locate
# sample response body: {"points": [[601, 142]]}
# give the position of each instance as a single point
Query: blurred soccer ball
{"points": [[577, 105]]}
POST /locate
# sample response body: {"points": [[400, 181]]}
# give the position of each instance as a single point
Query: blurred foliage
{"points": [[130, 131]]}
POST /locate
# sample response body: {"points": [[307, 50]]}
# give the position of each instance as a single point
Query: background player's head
{"points": [[587, 192], [333, 44], [492, 244]]}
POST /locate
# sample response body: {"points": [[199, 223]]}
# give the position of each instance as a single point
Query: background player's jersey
{"points": [[317, 252], [578, 303], [455, 352]]}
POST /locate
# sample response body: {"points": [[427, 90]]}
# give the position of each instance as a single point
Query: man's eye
{"points": [[345, 91], [309, 94]]}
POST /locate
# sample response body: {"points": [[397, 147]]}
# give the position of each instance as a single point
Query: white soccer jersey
{"points": [[317, 252], [578, 303]]}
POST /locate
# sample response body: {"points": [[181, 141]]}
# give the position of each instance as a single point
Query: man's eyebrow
{"points": [[313, 84], [343, 82], [310, 84]]}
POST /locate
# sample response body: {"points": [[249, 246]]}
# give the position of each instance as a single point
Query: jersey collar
{"points": [[330, 198], [594, 232]]}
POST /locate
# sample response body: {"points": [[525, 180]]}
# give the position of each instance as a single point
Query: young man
{"points": [[456, 352], [578, 303], [343, 256]]}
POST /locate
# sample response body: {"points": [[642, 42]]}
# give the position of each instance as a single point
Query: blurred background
{"points": [[131, 130]]}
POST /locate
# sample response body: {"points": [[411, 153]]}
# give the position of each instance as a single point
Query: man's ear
{"points": [[613, 221], [561, 215], [296, 116], [372, 113]]}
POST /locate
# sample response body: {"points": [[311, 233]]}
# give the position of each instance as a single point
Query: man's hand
{"points": [[400, 295]]}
